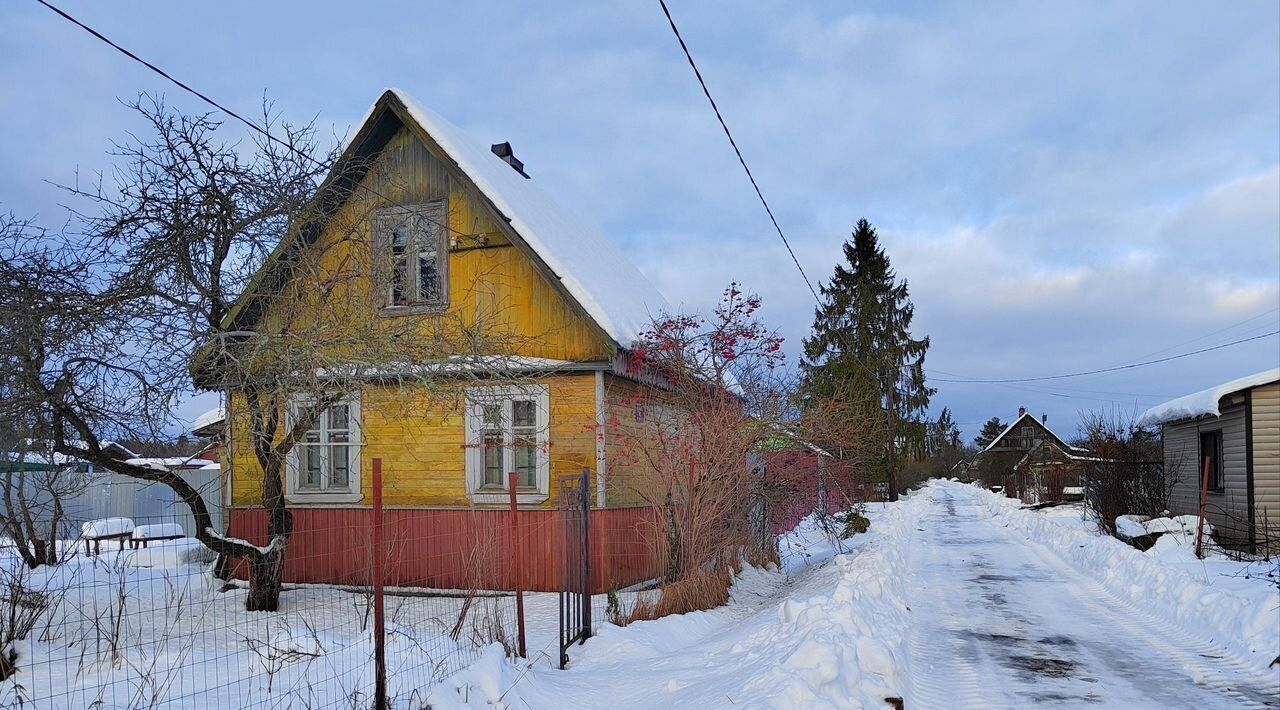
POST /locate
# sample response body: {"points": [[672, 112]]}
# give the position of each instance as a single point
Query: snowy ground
{"points": [[153, 629], [955, 599], [1003, 619], [825, 631]]}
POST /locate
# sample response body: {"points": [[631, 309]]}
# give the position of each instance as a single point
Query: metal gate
{"points": [[575, 581]]}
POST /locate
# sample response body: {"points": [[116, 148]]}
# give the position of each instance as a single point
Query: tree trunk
{"points": [[265, 572], [267, 569], [674, 555], [893, 438]]}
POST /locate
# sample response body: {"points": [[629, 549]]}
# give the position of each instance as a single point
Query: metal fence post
{"points": [[586, 553], [515, 556], [379, 618], [1204, 499]]}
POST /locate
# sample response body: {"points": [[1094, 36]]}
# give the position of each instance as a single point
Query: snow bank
{"points": [[1131, 526], [1206, 597], [828, 630], [846, 648], [170, 554], [1182, 528], [1204, 402]]}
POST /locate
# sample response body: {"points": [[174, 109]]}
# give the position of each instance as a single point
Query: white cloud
{"points": [[1063, 185]]}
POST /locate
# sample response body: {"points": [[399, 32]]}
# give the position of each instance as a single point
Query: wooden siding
{"points": [[419, 434], [631, 478], [491, 281], [1266, 461], [1228, 511], [460, 549]]}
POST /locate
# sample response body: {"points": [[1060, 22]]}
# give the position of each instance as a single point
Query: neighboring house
{"points": [[999, 460], [576, 297], [962, 470], [1235, 427], [1048, 471], [211, 425]]}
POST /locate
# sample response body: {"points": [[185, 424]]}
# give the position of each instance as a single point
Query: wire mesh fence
{"points": [[123, 623], [136, 615]]}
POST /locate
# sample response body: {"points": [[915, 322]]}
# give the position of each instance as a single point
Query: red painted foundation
{"points": [[459, 548]]}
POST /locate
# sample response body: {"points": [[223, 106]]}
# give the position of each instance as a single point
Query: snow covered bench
{"points": [[145, 534], [95, 531]]}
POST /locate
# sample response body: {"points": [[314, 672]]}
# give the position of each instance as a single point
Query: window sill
{"points": [[493, 495], [323, 498], [413, 310]]}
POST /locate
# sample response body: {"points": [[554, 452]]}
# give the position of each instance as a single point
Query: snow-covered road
{"points": [[1000, 621], [955, 599]]}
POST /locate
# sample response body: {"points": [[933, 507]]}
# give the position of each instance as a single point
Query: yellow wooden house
{"points": [[468, 234]]}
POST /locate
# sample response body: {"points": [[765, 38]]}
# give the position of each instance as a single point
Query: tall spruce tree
{"points": [[861, 347], [990, 430]]}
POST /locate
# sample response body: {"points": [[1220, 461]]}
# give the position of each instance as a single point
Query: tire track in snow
{"points": [[1227, 674], [939, 675], [985, 599]]}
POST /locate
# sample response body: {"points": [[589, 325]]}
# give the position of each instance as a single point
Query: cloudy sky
{"points": [[1065, 186]]}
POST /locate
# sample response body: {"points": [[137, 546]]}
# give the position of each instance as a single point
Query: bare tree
{"points": [[34, 493], [690, 444], [230, 264], [690, 437], [1126, 473], [34, 487]]}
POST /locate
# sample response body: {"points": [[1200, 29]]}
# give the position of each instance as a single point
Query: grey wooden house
{"points": [[1235, 427]]}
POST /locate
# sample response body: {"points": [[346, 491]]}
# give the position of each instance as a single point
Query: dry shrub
{"points": [[489, 625], [1127, 475], [696, 592], [20, 609]]}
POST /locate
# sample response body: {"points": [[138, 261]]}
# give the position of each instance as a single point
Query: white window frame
{"points": [[433, 212], [473, 421], [294, 462]]}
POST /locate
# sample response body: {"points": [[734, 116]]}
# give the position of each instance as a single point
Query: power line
{"points": [[1233, 326], [1073, 392], [176, 82], [736, 151], [253, 126], [270, 137], [1116, 368]]}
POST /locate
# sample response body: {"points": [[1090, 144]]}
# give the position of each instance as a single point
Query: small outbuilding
{"points": [[1233, 429]]}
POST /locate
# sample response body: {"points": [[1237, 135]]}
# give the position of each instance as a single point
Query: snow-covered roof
{"points": [[1204, 402], [592, 268], [40, 452], [1043, 425], [209, 418], [167, 463]]}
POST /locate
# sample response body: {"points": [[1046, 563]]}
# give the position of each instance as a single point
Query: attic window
{"points": [[413, 247]]}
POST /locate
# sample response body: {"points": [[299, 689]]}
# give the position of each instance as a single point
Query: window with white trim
{"points": [[324, 465], [507, 431], [413, 244]]}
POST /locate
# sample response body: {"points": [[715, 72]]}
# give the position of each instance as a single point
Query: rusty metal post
{"points": [[379, 615], [586, 554], [1204, 499], [515, 557]]}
